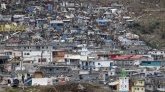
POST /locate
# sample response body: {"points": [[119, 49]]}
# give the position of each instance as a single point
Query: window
{"points": [[54, 47], [59, 24], [137, 88], [142, 89], [56, 80], [106, 74], [37, 47], [42, 60], [50, 69], [26, 53], [98, 63], [9, 53], [148, 62]]}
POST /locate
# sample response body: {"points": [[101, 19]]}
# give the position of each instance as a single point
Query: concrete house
{"points": [[138, 86], [74, 60], [152, 64], [38, 57], [57, 24], [157, 55], [126, 60], [155, 84], [55, 71], [96, 65], [123, 84], [58, 55]]}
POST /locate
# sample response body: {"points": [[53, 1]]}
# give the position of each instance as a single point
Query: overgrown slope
{"points": [[149, 20], [70, 87]]}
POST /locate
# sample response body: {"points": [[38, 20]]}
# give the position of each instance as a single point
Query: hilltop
{"points": [[149, 18]]}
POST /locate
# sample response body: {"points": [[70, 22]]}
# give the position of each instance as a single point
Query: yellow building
{"points": [[138, 86], [11, 27]]}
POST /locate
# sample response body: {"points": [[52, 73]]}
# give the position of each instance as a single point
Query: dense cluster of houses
{"points": [[52, 42]]}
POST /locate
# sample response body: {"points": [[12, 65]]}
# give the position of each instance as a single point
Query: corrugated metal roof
{"points": [[127, 57]]}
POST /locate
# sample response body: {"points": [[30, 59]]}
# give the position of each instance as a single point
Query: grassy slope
{"points": [[148, 12]]}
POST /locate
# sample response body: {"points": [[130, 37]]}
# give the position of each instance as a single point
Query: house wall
{"points": [[101, 64], [149, 87], [151, 64], [95, 65], [41, 81], [139, 86], [127, 62], [12, 53], [123, 84], [19, 76], [112, 72], [58, 25], [139, 83], [71, 56], [58, 56], [138, 89], [55, 71], [36, 55], [157, 53]]}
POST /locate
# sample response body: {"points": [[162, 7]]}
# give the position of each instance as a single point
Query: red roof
{"points": [[126, 57]]}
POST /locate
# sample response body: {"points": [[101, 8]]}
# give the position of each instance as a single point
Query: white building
{"points": [[11, 53], [38, 57], [157, 53], [102, 64], [123, 84], [3, 6]]}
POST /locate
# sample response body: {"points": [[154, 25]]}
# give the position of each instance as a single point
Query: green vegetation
{"points": [[12, 89]]}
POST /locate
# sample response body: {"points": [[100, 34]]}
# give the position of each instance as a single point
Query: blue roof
{"points": [[101, 20], [150, 63]]}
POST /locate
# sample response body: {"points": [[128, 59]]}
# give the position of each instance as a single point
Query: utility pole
{"points": [[21, 64], [41, 56]]}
